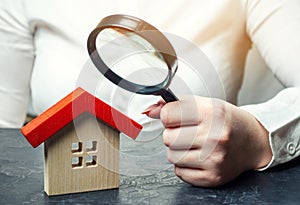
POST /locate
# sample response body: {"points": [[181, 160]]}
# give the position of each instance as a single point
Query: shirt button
{"points": [[291, 148]]}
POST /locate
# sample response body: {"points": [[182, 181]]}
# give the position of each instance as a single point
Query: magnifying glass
{"points": [[135, 56]]}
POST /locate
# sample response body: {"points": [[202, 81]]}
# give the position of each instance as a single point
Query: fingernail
{"points": [[146, 112], [151, 107]]}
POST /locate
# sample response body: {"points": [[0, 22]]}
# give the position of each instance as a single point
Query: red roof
{"points": [[56, 117]]}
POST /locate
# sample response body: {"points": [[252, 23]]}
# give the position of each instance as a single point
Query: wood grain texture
{"points": [[59, 175], [56, 117]]}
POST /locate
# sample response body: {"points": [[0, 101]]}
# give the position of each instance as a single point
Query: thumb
{"points": [[153, 111]]}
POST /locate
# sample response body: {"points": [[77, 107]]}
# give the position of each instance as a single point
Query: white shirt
{"points": [[43, 51]]}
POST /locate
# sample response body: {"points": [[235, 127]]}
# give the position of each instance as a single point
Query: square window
{"points": [[76, 147], [91, 160], [76, 162], [91, 146]]}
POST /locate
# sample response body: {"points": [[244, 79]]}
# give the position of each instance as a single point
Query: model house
{"points": [[81, 143]]}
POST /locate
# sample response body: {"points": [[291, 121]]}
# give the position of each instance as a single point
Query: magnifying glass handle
{"points": [[168, 95]]}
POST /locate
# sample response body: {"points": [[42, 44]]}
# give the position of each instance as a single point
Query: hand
{"points": [[210, 141]]}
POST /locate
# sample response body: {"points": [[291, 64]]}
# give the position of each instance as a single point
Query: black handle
{"points": [[168, 95]]}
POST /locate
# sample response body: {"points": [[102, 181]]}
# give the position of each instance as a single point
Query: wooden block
{"points": [[81, 135], [97, 154]]}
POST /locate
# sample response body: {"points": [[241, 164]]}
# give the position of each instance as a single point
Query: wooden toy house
{"points": [[81, 143]]}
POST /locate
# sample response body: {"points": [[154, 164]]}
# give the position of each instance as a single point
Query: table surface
{"points": [[21, 177]]}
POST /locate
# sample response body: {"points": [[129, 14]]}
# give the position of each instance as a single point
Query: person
{"points": [[42, 52]]}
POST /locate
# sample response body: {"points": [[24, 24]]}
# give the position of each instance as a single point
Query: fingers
{"points": [[198, 177], [175, 114], [180, 113], [153, 111], [188, 158], [183, 138]]}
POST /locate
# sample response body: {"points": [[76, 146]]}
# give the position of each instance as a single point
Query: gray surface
{"points": [[21, 177]]}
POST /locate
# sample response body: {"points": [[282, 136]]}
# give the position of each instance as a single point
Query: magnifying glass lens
{"points": [[131, 57]]}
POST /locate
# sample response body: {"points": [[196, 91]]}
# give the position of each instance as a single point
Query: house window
{"points": [[76, 147], [91, 146], [91, 160], [76, 162], [83, 154]]}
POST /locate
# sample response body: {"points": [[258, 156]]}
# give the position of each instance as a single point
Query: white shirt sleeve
{"points": [[16, 61], [274, 27]]}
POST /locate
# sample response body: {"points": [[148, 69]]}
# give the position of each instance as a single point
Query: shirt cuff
{"points": [[281, 118]]}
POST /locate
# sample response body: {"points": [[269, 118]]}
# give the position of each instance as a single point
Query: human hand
{"points": [[210, 141]]}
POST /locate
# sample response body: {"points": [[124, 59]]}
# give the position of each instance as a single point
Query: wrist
{"points": [[257, 151], [262, 144], [265, 150]]}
